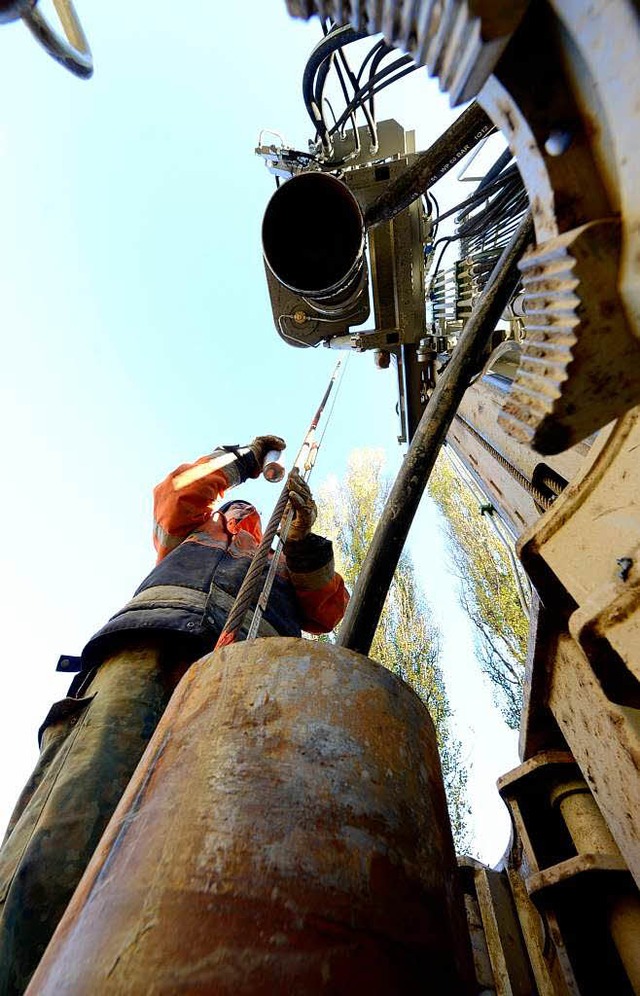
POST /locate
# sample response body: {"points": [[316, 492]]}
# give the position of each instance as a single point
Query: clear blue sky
{"points": [[137, 331]]}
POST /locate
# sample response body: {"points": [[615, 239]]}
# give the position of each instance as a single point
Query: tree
{"points": [[407, 640], [489, 589]]}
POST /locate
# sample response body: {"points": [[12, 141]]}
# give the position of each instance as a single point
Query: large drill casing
{"points": [[313, 240], [285, 832]]}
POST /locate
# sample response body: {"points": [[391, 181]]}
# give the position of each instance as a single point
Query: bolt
{"points": [[558, 141], [625, 564]]}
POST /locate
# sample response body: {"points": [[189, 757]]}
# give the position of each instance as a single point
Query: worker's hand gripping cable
{"points": [[302, 506], [295, 510]]}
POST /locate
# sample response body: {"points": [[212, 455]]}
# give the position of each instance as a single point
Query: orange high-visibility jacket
{"points": [[203, 556], [184, 511]]}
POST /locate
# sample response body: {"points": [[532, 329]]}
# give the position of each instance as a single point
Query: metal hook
{"points": [[72, 51]]}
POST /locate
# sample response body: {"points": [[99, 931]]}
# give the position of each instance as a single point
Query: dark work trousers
{"points": [[90, 746]]}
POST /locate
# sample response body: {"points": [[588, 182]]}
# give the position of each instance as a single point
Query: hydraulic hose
{"points": [[323, 50]]}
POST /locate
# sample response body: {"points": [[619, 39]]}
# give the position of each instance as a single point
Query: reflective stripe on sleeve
{"points": [[164, 540]]}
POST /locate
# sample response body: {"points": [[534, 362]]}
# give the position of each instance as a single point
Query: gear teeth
{"points": [[551, 305], [579, 364], [459, 41]]}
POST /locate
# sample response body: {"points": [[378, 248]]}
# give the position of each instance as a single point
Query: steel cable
{"points": [[252, 583]]}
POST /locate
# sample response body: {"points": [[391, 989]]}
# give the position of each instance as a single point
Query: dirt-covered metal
{"points": [[286, 831]]}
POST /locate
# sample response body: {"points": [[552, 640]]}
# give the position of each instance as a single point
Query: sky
{"points": [[137, 334]]}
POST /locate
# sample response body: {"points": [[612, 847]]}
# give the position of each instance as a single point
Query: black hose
{"points": [[370, 54], [379, 57], [324, 49], [478, 196], [503, 160], [371, 125], [371, 86]]}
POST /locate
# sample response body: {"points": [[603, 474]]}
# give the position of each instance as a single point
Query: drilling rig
{"points": [[540, 411], [523, 357]]}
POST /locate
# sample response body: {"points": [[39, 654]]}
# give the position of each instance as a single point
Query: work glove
{"points": [[303, 505], [260, 446]]}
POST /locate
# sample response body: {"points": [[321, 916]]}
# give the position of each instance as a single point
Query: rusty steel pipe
{"points": [[285, 832], [453, 145]]}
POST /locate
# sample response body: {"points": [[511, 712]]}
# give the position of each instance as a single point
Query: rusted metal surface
{"points": [[624, 923], [598, 851], [529, 97], [607, 36], [575, 874], [584, 821], [582, 181], [565, 93], [580, 364], [548, 979], [286, 831], [544, 885], [538, 730], [597, 521], [605, 742], [479, 949], [557, 401], [511, 969]]}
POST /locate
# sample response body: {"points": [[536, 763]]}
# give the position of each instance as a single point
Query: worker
{"points": [[91, 741]]}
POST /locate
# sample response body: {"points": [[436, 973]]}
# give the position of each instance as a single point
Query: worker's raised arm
{"points": [[183, 501]]}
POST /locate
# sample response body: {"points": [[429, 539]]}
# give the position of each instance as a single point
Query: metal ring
{"points": [[73, 50]]}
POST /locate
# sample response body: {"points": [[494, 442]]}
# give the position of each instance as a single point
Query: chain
{"points": [[538, 496]]}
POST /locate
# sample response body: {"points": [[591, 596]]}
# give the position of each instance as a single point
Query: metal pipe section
{"points": [[285, 832], [464, 134], [363, 612], [313, 237], [591, 835]]}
